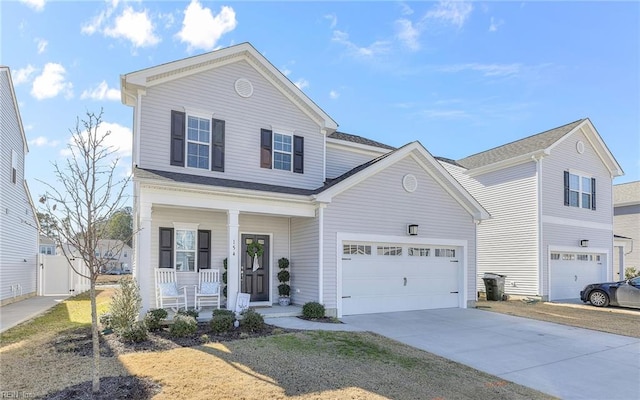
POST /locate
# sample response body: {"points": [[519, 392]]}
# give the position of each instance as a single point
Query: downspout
{"points": [[321, 252], [538, 161], [324, 155], [136, 133]]}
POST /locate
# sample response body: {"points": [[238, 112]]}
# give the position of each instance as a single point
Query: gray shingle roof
{"points": [[347, 137], [626, 193], [527, 145]]}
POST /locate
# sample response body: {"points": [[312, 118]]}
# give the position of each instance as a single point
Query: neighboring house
{"points": [[117, 254], [550, 200], [18, 221], [228, 152], [47, 246], [626, 226]]}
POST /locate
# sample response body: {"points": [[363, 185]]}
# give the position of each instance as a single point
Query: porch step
{"points": [[277, 311]]}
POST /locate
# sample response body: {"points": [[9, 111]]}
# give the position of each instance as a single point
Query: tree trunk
{"points": [[95, 334]]}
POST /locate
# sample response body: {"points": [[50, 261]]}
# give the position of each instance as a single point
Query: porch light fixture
{"points": [[584, 243], [413, 229]]}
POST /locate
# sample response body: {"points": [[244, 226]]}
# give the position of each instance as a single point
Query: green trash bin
{"points": [[494, 285]]}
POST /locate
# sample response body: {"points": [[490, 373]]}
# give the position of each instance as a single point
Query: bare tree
{"points": [[87, 196]]}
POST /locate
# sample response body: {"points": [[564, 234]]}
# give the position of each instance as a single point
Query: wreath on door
{"points": [[255, 249]]}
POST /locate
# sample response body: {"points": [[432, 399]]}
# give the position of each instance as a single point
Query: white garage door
{"points": [[380, 277], [571, 272]]}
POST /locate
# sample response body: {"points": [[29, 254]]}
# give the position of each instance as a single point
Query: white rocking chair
{"points": [[208, 289], [167, 290]]}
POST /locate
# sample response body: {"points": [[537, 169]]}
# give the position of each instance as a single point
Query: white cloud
{"points": [[201, 29], [42, 45], [451, 12], [42, 141], [333, 20], [494, 25], [37, 5], [101, 92], [23, 75], [51, 83], [408, 34], [134, 26], [119, 141], [405, 9], [493, 70], [334, 94], [301, 83], [374, 49]]}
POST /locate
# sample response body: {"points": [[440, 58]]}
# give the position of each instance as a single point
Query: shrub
{"points": [[192, 313], [630, 273], [313, 310], [136, 333], [223, 312], [221, 323], [252, 321], [125, 304], [183, 325], [153, 318], [204, 338], [105, 321]]}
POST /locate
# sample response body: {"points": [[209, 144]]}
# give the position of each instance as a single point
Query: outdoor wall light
{"points": [[584, 243], [413, 229]]}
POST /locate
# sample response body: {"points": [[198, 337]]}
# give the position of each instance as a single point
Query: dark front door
{"points": [[255, 276]]}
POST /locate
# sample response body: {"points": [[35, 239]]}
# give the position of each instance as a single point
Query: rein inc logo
{"points": [[15, 394]]}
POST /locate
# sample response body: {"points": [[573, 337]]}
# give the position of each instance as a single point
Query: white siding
{"points": [[18, 232], [341, 160], [508, 241], [381, 206], [304, 260], [216, 222], [212, 93], [626, 222]]}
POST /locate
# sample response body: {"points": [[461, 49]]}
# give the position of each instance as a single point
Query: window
{"points": [[389, 251], [419, 251], [282, 152], [555, 256], [48, 249], [356, 249], [185, 250], [585, 257], [445, 253], [198, 139], [579, 191], [14, 166], [568, 257]]}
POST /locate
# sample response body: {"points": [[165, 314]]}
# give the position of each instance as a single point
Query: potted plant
{"points": [[284, 290]]}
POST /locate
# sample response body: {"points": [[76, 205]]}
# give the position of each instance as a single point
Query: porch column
{"points": [[143, 270], [233, 270]]}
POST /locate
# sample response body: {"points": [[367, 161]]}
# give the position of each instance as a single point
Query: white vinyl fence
{"points": [[58, 278]]}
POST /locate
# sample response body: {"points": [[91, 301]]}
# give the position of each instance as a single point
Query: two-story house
{"points": [[626, 226], [18, 221], [230, 157], [550, 200]]}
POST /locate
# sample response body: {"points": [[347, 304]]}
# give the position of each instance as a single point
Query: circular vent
{"points": [[409, 183], [244, 88], [580, 147]]}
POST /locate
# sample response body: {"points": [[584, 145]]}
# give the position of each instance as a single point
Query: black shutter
{"points": [[217, 145], [265, 148], [204, 249], [166, 248], [177, 137], [593, 193], [566, 188], [298, 154]]}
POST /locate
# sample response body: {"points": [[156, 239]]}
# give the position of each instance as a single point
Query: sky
{"points": [[460, 77]]}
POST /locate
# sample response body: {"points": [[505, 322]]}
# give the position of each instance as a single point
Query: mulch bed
{"points": [[112, 387], [326, 320]]}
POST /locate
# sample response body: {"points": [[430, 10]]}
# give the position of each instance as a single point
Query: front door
{"points": [[254, 267]]}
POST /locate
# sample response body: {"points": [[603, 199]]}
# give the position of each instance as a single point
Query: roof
{"points": [[131, 83], [520, 147], [347, 137], [626, 193]]}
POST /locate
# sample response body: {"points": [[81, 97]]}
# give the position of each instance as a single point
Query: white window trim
{"points": [[274, 151], [580, 191], [200, 115], [14, 167], [181, 226]]}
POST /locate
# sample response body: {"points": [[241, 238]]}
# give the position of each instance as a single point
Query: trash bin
{"points": [[494, 285]]}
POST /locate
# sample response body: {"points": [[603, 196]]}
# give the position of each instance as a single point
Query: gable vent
{"points": [[244, 88]]}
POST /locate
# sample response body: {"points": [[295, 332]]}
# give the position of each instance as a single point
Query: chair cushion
{"points": [[168, 289], [209, 288]]}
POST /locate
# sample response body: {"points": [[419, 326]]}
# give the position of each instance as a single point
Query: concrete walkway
{"points": [[24, 310], [560, 360]]}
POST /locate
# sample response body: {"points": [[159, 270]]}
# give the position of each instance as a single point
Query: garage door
{"points": [[571, 272], [386, 277]]}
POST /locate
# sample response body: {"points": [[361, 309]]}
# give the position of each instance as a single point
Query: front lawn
{"points": [[300, 365]]}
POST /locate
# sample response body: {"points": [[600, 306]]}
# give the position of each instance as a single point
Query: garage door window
{"points": [[445, 253], [356, 249], [555, 256], [419, 251], [568, 257], [389, 251]]}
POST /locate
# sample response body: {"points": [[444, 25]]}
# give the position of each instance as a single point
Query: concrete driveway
{"points": [[564, 361]]}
